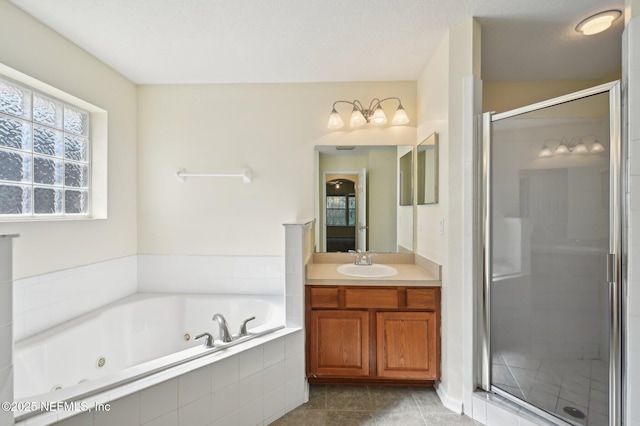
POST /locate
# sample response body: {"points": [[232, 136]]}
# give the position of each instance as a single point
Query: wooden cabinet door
{"points": [[407, 345], [339, 343]]}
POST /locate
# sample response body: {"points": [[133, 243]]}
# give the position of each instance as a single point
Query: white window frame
{"points": [[98, 150]]}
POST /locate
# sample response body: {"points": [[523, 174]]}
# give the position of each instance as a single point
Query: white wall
{"points": [[33, 49], [631, 79], [271, 128], [440, 97]]}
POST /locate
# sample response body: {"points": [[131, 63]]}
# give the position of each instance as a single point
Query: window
{"points": [[341, 210], [44, 154]]}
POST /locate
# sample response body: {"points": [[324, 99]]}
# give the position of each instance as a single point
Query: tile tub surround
{"points": [[43, 301], [46, 300], [211, 274], [373, 405], [254, 386]]}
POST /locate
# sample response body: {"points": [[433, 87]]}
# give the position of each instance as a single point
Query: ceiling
{"points": [[243, 41]]}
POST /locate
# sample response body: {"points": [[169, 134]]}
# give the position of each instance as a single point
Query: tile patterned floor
{"points": [[555, 384], [373, 405]]}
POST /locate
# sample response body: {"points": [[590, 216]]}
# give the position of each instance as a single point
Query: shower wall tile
{"points": [[211, 274], [46, 300]]}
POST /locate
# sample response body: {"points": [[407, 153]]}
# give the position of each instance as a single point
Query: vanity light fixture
{"points": [[576, 146], [598, 23], [373, 114]]}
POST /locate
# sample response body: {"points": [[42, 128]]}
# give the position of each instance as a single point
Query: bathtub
{"points": [[131, 339]]}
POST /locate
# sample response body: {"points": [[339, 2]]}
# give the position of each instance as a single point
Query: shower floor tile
{"points": [[575, 390]]}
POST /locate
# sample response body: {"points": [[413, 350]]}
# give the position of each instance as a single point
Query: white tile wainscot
{"points": [[253, 385], [47, 300], [211, 274]]}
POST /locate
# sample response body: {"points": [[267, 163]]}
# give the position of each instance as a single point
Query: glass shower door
{"points": [[550, 236]]}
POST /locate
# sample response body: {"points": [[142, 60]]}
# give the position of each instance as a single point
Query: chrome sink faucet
{"points": [[225, 336], [362, 257]]}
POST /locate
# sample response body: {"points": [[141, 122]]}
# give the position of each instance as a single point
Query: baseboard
{"points": [[449, 403]]}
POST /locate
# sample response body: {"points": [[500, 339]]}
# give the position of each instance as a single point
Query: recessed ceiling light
{"points": [[598, 23]]}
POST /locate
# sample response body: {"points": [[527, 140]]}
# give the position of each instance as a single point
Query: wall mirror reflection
{"points": [[405, 179], [427, 170], [357, 199]]}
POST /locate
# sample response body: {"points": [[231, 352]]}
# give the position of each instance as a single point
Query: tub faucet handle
{"points": [[243, 327], [207, 343]]}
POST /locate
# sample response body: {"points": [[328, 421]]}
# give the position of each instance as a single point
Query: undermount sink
{"points": [[367, 271]]}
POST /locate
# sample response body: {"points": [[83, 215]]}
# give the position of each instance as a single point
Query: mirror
{"points": [[405, 178], [427, 175], [357, 199]]}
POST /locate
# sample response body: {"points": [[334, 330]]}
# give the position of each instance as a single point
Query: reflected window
{"points": [[341, 210]]}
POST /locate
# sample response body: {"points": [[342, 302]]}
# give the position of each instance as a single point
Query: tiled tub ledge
{"points": [[253, 383]]}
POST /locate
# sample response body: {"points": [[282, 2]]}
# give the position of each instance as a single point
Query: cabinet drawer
{"points": [[371, 298], [421, 298], [324, 297]]}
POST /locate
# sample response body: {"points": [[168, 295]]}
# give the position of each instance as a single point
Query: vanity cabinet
{"points": [[361, 334]]}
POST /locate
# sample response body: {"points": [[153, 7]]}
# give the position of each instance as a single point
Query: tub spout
{"points": [[207, 343], [243, 327], [225, 336]]}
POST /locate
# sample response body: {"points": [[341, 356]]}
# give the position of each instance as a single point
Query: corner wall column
{"points": [[6, 326]]}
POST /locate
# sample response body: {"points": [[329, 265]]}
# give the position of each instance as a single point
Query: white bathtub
{"points": [[132, 338]]}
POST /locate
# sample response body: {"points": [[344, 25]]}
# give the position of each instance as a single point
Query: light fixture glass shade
{"points": [[335, 121], [598, 23], [545, 152], [357, 119], [379, 118], [580, 148], [562, 149], [400, 117], [597, 147]]}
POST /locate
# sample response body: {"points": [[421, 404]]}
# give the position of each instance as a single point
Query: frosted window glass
{"points": [[76, 121], [76, 201], [47, 141], [47, 111], [44, 154], [15, 100], [15, 199], [15, 166], [47, 171], [15, 133], [76, 175], [75, 148], [47, 200]]}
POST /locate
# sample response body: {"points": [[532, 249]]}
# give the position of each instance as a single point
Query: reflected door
{"points": [[552, 228]]}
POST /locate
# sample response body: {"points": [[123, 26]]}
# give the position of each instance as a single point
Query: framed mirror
{"points": [[427, 173], [357, 199], [405, 179]]}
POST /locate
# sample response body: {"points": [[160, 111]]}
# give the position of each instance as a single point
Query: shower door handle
{"points": [[611, 268]]}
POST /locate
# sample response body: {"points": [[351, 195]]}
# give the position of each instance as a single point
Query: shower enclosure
{"points": [[552, 244]]}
